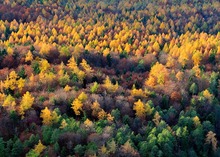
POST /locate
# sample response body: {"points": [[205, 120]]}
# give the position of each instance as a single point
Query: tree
{"points": [[94, 87], [26, 103], [193, 89], [77, 106], [39, 147], [137, 92], [109, 86], [211, 139], [82, 97], [28, 57], [2, 147], [46, 115], [9, 103], [86, 66], [158, 73], [44, 65], [127, 150], [95, 108], [140, 109], [157, 118], [17, 148], [72, 64], [196, 121], [197, 57]]}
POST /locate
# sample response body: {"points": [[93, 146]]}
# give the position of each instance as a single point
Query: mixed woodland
{"points": [[110, 78]]}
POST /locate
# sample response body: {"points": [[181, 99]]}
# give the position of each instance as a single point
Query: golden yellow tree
{"points": [[139, 109], [158, 73], [46, 116], [197, 57], [26, 103], [44, 65], [39, 148], [137, 92], [82, 97], [88, 123], [196, 121], [29, 56], [10, 82], [77, 106], [102, 114], [86, 66], [109, 86], [72, 64]]}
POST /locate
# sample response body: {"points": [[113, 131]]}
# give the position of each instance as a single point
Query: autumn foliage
{"points": [[109, 78]]}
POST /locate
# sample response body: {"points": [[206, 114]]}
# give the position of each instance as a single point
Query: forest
{"points": [[109, 78]]}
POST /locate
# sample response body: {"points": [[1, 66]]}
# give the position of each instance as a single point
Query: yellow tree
{"points": [[10, 82], [137, 92], [39, 148], [196, 121], [26, 103], [139, 109], [72, 64], [86, 66], [77, 106], [44, 65], [46, 116], [82, 97], [197, 57], [9, 103], [158, 73], [29, 56], [109, 86]]}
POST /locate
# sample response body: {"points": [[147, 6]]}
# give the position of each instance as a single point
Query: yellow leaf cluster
{"points": [[139, 109], [77, 106], [26, 103], [109, 86], [9, 103], [196, 121], [39, 148], [207, 94], [158, 74], [86, 66], [49, 117], [137, 92], [88, 123], [13, 81], [63, 124]]}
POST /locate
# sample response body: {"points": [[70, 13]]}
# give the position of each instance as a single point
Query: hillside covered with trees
{"points": [[109, 78]]}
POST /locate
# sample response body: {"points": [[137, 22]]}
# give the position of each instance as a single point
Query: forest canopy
{"points": [[109, 78]]}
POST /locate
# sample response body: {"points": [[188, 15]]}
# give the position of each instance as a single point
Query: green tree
{"points": [[47, 132], [94, 87], [193, 89], [17, 148], [2, 147]]}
